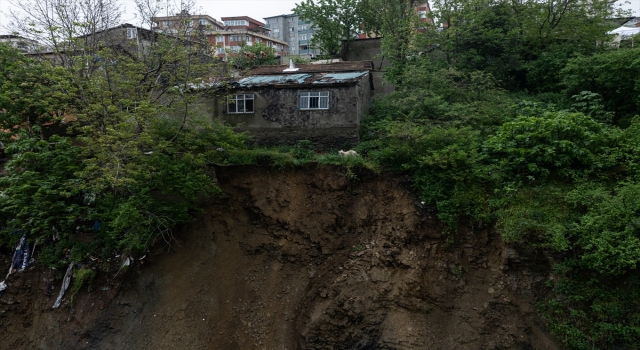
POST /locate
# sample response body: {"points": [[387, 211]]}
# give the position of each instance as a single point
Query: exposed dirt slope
{"points": [[300, 259]]}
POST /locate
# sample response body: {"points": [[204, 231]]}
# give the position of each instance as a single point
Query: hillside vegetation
{"points": [[515, 114]]}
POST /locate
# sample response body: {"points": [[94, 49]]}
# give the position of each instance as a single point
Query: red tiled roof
{"points": [[346, 66]]}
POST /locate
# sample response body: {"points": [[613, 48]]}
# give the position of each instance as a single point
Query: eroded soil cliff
{"points": [[299, 259]]}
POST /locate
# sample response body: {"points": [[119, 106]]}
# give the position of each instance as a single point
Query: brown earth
{"points": [[299, 259]]}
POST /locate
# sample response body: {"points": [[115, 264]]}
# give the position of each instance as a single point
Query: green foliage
{"points": [[521, 43], [252, 56], [552, 170], [615, 76], [31, 93], [569, 145], [82, 277], [41, 188], [335, 20]]}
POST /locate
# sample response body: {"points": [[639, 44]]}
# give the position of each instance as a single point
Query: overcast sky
{"points": [[257, 9]]}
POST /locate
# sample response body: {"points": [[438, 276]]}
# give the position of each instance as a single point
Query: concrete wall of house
{"points": [[278, 121], [369, 50]]}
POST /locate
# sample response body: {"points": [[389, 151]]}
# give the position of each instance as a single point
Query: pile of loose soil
{"points": [[299, 259]]}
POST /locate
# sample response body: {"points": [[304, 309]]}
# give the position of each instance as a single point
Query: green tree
{"points": [[252, 56], [519, 42], [602, 74], [335, 21], [145, 133]]}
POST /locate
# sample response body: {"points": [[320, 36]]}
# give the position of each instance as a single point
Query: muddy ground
{"points": [[299, 259]]}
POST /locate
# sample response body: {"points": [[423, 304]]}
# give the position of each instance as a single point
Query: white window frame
{"points": [[132, 33], [302, 37], [307, 98], [220, 38], [233, 104], [236, 23]]}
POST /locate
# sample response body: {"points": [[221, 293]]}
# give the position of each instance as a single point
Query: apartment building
{"points": [[226, 35], [243, 30], [294, 31], [24, 45], [185, 23]]}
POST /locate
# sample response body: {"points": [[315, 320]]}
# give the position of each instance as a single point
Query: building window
{"points": [[236, 23], [292, 29], [422, 14], [302, 27], [238, 38], [314, 100], [276, 30], [167, 24], [220, 50], [204, 22], [220, 39], [290, 19], [258, 40], [303, 36], [242, 103], [132, 33]]}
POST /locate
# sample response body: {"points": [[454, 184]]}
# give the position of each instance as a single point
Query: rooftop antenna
{"points": [[292, 67]]}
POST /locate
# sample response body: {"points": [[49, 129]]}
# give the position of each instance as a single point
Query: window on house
{"points": [[303, 36], [220, 50], [203, 22], [302, 27], [167, 24], [314, 100], [422, 14], [292, 29], [238, 38], [242, 103], [132, 33], [220, 39], [290, 19], [236, 23], [276, 30]]}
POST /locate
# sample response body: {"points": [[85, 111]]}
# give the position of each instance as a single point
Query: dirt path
{"points": [[302, 259]]}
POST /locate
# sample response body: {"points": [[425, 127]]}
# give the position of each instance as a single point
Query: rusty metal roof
{"points": [[301, 79]]}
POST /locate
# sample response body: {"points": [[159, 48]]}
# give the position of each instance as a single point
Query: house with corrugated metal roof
{"points": [[322, 103]]}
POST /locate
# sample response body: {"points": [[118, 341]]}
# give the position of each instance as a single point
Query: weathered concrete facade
{"points": [[277, 116], [370, 49]]}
